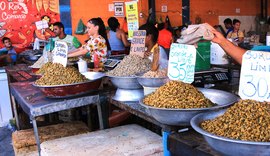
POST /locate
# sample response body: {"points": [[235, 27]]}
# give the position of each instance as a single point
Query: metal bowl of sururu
{"points": [[151, 82], [182, 117], [227, 146], [75, 89], [125, 82]]}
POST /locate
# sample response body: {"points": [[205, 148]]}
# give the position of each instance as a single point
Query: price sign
{"points": [[255, 76], [182, 62], [138, 43], [60, 53]]}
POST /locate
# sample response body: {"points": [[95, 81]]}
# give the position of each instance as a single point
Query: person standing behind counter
{"points": [[236, 35], [116, 36], [97, 45], [153, 48], [59, 31], [8, 53], [234, 51], [228, 25], [165, 37]]}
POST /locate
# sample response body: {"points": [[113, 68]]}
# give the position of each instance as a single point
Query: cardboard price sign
{"points": [[60, 53], [182, 62], [255, 76], [138, 43]]}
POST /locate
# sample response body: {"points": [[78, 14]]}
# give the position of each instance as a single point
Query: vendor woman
{"points": [[153, 48], [97, 45]]}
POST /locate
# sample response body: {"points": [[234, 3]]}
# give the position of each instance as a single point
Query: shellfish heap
{"points": [[57, 74], [131, 65]]}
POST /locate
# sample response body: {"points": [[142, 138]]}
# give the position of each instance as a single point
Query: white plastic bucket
{"points": [[268, 39], [217, 55]]}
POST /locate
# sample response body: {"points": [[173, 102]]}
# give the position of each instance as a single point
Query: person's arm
{"points": [[124, 38], [241, 37], [234, 51], [78, 52]]}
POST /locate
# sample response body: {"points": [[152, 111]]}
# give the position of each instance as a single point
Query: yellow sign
{"points": [[132, 17]]}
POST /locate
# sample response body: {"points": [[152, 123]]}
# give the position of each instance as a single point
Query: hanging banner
{"points": [[132, 17]]}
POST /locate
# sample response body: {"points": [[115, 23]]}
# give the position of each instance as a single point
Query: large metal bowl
{"points": [[226, 146], [182, 117], [127, 95], [152, 82], [125, 82], [75, 89]]}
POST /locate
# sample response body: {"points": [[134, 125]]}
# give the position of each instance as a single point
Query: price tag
{"points": [[138, 43], [255, 76], [182, 62], [60, 53]]}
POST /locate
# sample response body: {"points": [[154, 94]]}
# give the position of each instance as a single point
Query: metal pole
{"points": [[185, 12], [15, 112], [36, 134], [152, 11], [100, 118]]}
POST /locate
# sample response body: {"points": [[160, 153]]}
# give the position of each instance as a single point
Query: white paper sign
{"points": [[138, 43], [182, 62], [255, 76], [119, 9], [60, 53], [111, 7], [41, 25]]}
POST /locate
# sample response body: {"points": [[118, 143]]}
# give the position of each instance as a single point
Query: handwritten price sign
{"points": [[255, 76], [182, 62], [60, 53], [138, 43]]}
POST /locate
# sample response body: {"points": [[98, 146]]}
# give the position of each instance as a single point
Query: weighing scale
{"points": [[211, 77], [111, 63]]}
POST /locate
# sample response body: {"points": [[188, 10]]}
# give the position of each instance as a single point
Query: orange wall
{"points": [[99, 8], [174, 8], [207, 10]]}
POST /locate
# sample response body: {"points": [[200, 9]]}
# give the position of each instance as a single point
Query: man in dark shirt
{"points": [[228, 25], [8, 53]]}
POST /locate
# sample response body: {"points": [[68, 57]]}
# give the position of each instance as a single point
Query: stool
{"points": [[123, 140], [24, 142]]}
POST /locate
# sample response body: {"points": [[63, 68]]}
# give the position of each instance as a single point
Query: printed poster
{"points": [[18, 20], [132, 17], [119, 9]]}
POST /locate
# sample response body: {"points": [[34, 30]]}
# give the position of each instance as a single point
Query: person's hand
{"points": [[147, 54], [218, 37]]}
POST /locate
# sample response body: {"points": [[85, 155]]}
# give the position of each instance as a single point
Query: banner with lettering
{"points": [[255, 76], [132, 17], [18, 17]]}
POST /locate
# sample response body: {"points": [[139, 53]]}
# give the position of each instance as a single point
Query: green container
{"points": [[203, 56]]}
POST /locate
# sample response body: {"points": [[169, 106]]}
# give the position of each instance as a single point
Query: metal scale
{"points": [[212, 77]]}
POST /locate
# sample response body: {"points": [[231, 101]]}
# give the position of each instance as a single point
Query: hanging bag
{"points": [[80, 30]]}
